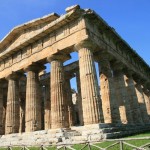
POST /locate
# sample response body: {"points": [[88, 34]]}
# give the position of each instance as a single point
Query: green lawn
{"points": [[146, 134], [116, 147], [102, 145]]}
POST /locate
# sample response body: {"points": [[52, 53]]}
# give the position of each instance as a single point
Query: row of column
{"points": [[121, 101]]}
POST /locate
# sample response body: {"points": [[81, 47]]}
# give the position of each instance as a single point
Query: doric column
{"points": [[45, 100], [122, 95], [107, 90], [79, 98], [13, 106], [22, 116], [135, 109], [47, 106], [33, 98], [92, 109], [1, 108], [68, 94], [58, 102], [141, 101], [42, 88], [5, 91], [146, 94], [22, 95]]}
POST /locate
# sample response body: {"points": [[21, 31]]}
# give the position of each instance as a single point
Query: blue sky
{"points": [[130, 18]]}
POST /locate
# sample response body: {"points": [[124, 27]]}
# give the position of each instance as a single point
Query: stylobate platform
{"points": [[93, 133]]}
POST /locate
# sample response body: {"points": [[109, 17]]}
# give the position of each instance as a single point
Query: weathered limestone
{"points": [[47, 108], [141, 101], [13, 105], [35, 103], [146, 94], [5, 91], [42, 106], [22, 98], [22, 116], [33, 98], [89, 85], [135, 109], [68, 94], [107, 90], [122, 95], [58, 102], [1, 108], [79, 102]]}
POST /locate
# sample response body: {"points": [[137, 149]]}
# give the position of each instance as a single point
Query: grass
{"points": [[133, 142], [102, 145], [146, 134], [116, 147]]}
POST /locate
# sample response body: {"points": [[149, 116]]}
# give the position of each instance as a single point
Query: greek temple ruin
{"points": [[34, 102]]}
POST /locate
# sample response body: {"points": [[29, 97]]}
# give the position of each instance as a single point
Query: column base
{"points": [[92, 133]]}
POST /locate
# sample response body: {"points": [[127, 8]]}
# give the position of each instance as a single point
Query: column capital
{"points": [[14, 76], [69, 75], [35, 67], [137, 78], [145, 84], [60, 56], [148, 86], [117, 67], [85, 44], [103, 56], [2, 81], [128, 72], [104, 67]]}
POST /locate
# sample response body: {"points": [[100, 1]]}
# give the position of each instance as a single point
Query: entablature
{"points": [[46, 37], [107, 38]]}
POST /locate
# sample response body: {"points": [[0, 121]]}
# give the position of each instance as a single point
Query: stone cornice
{"points": [[70, 68], [111, 31], [17, 30], [56, 23]]}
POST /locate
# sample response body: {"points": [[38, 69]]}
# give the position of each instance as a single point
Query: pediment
{"points": [[25, 32]]}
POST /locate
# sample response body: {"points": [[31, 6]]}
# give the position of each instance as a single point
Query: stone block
{"points": [[79, 138], [96, 137]]}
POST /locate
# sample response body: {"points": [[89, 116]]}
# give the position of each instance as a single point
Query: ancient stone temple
{"points": [[38, 107]]}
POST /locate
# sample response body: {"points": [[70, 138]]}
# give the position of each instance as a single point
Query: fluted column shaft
{"points": [[22, 116], [68, 94], [33, 99], [146, 94], [135, 109], [47, 106], [4, 106], [122, 97], [108, 95], [79, 99], [1, 109], [58, 102], [22, 95], [89, 87], [13, 105], [141, 101], [59, 111]]}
